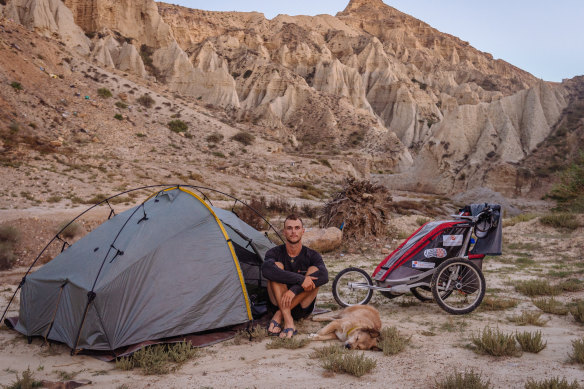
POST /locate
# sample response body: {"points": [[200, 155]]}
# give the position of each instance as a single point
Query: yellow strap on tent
{"points": [[228, 240]]}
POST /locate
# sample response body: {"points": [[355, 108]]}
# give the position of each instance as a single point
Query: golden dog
{"points": [[358, 326]]}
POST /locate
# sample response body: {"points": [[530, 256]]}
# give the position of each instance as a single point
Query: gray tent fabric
{"points": [[164, 268]]}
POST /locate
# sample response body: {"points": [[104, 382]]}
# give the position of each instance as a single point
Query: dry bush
{"points": [[26, 381], [340, 360], [9, 236], [282, 206], [567, 221], [494, 303], [577, 355], [391, 341], [552, 383], [521, 218], [362, 209], [528, 318], [159, 359], [551, 305], [244, 138], [571, 285], [249, 216], [290, 344], [70, 231], [467, 380], [257, 334], [578, 312], [533, 288], [530, 342], [495, 343]]}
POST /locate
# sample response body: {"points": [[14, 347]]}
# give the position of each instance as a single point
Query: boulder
{"points": [[322, 239]]}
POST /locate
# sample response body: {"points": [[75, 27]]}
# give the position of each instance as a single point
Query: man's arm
{"points": [[273, 273], [322, 273]]}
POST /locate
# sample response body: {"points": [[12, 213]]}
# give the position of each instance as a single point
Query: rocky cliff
{"points": [[436, 113]]}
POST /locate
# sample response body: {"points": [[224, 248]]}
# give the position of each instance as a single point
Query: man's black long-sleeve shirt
{"points": [[294, 268]]}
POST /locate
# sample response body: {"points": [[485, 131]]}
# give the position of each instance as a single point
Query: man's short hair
{"points": [[293, 217]]}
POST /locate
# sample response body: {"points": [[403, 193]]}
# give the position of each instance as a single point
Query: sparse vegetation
{"points": [[8, 238], [495, 343], [177, 126], [537, 287], [118, 116], [567, 221], [569, 192], [159, 359], [494, 303], [521, 218], [27, 381], [16, 85], [244, 138], [528, 318], [551, 305], [70, 231], [146, 101], [530, 342], [467, 380], [291, 344], [578, 312], [391, 341], [340, 360], [257, 334], [571, 285], [215, 137], [552, 383], [104, 93], [577, 354], [121, 104]]}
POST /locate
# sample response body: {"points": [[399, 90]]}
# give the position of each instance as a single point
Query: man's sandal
{"points": [[276, 325], [286, 331]]}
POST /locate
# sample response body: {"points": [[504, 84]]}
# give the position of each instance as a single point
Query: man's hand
{"points": [[308, 283], [286, 299]]}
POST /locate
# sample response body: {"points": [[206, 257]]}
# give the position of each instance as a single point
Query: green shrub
{"points": [[104, 93], [121, 104], [118, 116], [551, 305], [159, 359], [467, 380], [17, 86], [146, 101], [578, 312], [567, 221], [533, 288], [391, 341], [177, 126], [577, 355], [569, 192], [528, 318], [552, 383], [530, 342], [494, 342], [244, 138]]}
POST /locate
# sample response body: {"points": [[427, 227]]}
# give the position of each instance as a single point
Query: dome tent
{"points": [[167, 267]]}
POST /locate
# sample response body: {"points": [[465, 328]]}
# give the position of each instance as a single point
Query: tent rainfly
{"points": [[170, 266]]}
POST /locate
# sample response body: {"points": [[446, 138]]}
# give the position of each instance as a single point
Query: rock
{"points": [[385, 251], [123, 96], [56, 143], [322, 239]]}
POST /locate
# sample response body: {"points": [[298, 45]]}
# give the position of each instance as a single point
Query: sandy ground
{"points": [[439, 341]]}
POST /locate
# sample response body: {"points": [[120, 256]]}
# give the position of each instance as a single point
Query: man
{"points": [[294, 273]]}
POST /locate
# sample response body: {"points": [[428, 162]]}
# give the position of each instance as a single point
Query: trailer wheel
{"points": [[462, 282], [352, 287], [422, 293]]}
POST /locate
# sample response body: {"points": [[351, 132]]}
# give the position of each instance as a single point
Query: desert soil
{"points": [[439, 341]]}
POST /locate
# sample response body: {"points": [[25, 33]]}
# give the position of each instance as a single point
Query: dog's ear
{"points": [[373, 332]]}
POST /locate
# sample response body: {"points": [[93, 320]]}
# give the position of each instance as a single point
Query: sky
{"points": [[543, 37]]}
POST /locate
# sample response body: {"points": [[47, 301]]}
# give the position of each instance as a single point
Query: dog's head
{"points": [[363, 339]]}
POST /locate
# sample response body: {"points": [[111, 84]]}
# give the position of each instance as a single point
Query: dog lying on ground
{"points": [[358, 326]]}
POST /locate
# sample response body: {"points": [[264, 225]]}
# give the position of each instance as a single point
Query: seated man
{"points": [[294, 273]]}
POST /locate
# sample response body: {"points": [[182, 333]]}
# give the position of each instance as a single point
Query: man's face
{"points": [[293, 231]]}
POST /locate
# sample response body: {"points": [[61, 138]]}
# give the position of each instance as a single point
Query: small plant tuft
{"points": [[27, 381], [467, 380], [340, 360], [533, 288], [215, 137], [118, 116], [578, 312], [530, 342], [291, 344], [146, 101], [16, 86], [495, 343], [391, 341], [104, 93], [121, 104], [551, 305], [528, 318], [577, 355], [566, 221], [493, 303], [70, 231], [177, 126], [244, 138], [159, 359], [552, 383], [9, 236]]}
